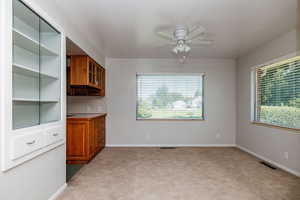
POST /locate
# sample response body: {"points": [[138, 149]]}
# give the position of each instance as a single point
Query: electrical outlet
{"points": [[286, 155], [218, 136]]}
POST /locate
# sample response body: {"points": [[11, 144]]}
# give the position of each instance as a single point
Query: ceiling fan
{"points": [[183, 37]]}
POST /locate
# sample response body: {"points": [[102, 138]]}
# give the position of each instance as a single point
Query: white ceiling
{"points": [[126, 28]]}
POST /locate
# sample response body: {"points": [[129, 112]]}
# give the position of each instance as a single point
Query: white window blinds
{"points": [[170, 96], [277, 99]]}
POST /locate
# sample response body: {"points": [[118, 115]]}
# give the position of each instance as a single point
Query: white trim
{"points": [[43, 14], [276, 60], [284, 168], [253, 95], [58, 192], [169, 74], [170, 145]]}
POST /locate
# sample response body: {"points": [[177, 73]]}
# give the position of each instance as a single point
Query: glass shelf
{"points": [[24, 41], [36, 69], [30, 72], [36, 100]]}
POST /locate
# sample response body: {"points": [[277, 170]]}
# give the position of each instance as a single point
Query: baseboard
{"points": [[58, 192], [170, 145], [269, 161]]}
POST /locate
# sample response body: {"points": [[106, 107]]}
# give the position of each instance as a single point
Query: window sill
{"points": [[170, 120], [275, 126]]}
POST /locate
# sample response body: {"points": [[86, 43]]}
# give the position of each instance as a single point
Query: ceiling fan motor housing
{"points": [[180, 32]]}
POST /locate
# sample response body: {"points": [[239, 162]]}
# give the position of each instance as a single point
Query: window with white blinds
{"points": [[169, 96], [277, 94]]}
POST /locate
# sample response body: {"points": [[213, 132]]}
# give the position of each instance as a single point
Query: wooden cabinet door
{"points": [[77, 140], [102, 84], [98, 135], [98, 77], [92, 142], [78, 70], [91, 72], [102, 141]]}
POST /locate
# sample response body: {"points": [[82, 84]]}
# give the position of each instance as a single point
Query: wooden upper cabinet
{"points": [[87, 77]]}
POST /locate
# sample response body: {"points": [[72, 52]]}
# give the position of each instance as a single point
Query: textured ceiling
{"points": [[126, 28]]}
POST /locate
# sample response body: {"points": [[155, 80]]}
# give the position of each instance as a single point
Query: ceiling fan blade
{"points": [[165, 36], [201, 34], [169, 45], [202, 42], [194, 28], [197, 28], [164, 28]]}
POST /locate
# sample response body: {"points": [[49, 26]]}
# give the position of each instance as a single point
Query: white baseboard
{"points": [[269, 161], [170, 145], [58, 192]]}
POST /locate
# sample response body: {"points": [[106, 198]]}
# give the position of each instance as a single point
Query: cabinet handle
{"points": [[55, 134], [30, 143]]}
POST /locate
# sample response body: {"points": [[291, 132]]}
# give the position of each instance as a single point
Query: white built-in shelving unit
{"points": [[36, 69], [32, 83]]}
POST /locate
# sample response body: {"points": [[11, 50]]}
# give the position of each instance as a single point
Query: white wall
{"points": [[37, 179], [41, 177], [220, 105], [270, 143]]}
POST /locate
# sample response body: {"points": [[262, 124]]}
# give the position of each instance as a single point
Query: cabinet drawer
{"points": [[23, 145], [53, 135]]}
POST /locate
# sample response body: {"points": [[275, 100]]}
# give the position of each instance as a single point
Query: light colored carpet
{"points": [[182, 173]]}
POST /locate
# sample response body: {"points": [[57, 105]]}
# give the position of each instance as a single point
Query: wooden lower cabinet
{"points": [[85, 138]]}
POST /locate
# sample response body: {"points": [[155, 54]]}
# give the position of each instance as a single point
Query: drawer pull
{"points": [[30, 143], [55, 134]]}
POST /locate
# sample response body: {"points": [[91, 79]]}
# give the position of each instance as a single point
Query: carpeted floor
{"points": [[182, 173]]}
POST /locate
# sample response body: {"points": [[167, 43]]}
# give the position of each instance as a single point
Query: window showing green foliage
{"points": [[278, 94], [170, 96]]}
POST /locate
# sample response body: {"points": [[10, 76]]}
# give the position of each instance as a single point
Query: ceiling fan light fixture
{"points": [[183, 38], [187, 48], [181, 47], [182, 59], [175, 50]]}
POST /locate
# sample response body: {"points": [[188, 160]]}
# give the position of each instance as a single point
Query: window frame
{"points": [[170, 74], [253, 78]]}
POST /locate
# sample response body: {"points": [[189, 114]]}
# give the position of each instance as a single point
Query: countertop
{"points": [[84, 115]]}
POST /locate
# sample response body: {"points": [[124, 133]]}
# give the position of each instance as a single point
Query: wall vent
{"points": [[268, 165], [167, 147]]}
